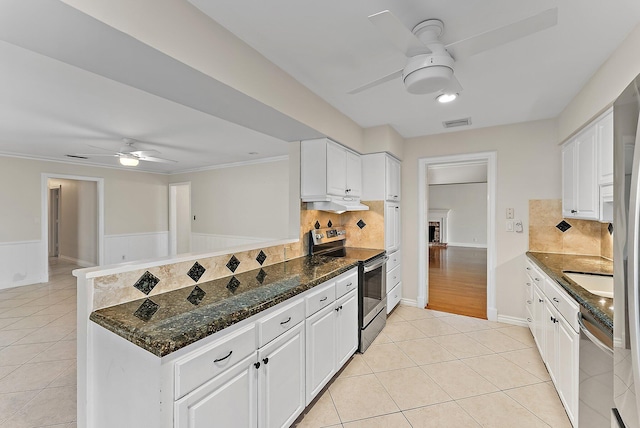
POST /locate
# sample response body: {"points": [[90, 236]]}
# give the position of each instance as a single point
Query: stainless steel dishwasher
{"points": [[596, 373]]}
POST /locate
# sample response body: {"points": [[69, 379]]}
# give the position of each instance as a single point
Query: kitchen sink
{"points": [[600, 285]]}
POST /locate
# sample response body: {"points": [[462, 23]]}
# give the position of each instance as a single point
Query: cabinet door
{"points": [[346, 328], [390, 229], [605, 149], [392, 179], [321, 350], [281, 392], [354, 174], [568, 178], [539, 321], [336, 169], [567, 376], [229, 400], [587, 176], [550, 339]]}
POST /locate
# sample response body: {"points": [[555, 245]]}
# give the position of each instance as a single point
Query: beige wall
{"points": [[246, 200], [383, 139], [528, 164], [603, 88], [467, 221], [135, 202]]}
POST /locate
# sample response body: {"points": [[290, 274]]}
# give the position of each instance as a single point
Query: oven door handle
{"points": [[369, 268]]}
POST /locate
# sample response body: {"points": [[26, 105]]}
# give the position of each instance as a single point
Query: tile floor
{"points": [[426, 369], [38, 352], [433, 369]]}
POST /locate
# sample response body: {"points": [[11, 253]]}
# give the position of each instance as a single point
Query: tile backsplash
{"points": [[551, 233]]}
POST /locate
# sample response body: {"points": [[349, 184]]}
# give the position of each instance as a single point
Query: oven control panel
{"points": [[331, 234]]}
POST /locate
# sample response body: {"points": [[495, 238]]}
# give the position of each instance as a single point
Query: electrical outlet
{"points": [[509, 213]]}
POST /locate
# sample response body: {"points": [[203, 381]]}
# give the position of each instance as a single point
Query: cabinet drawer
{"points": [[280, 321], [534, 274], [394, 260], [347, 283], [393, 277], [205, 364], [394, 296], [320, 297], [565, 305]]}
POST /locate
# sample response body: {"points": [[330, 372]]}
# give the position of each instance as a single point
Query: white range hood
{"points": [[338, 205]]}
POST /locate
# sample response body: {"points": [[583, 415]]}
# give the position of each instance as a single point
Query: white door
{"points": [[54, 222], [281, 391], [336, 170], [321, 350], [229, 400], [346, 328]]}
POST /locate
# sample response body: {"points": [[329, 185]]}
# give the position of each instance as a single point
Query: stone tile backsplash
{"points": [[584, 237]]}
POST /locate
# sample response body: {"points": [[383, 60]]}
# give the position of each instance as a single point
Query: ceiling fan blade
{"points": [[92, 155], [154, 159], [144, 153], [499, 36], [454, 87], [380, 81], [398, 34]]}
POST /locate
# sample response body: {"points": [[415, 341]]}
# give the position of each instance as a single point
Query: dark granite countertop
{"points": [[166, 322], [554, 264]]}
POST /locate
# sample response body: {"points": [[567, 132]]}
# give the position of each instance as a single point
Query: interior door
{"points": [[54, 222]]}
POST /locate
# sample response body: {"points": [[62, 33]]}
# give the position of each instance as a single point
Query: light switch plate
{"points": [[509, 225]]}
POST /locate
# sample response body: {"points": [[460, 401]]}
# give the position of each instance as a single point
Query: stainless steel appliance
{"points": [[372, 288], [626, 253], [596, 373]]}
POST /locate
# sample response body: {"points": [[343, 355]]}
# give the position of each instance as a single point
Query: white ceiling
{"points": [[331, 47]]}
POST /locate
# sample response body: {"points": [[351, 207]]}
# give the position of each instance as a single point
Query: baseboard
{"points": [[81, 263], [409, 302], [513, 320], [460, 244], [492, 314]]}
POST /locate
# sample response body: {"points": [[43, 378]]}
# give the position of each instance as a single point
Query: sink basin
{"points": [[601, 285]]}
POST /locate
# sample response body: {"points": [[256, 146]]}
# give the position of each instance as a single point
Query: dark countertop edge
{"points": [[569, 287], [162, 348]]}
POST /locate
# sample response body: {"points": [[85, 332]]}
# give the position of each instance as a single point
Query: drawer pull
{"points": [[325, 298], [528, 302], [555, 299], [350, 284], [223, 358], [257, 365], [528, 268], [540, 300], [536, 279], [265, 361], [337, 309], [528, 319], [284, 322]]}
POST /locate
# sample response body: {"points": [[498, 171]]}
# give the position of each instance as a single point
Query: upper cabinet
{"points": [[381, 177], [587, 166], [329, 169]]}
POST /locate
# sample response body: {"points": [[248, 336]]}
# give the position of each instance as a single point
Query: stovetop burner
{"points": [[330, 242]]}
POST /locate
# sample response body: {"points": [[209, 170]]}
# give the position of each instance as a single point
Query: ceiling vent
{"points": [[458, 122], [76, 157]]}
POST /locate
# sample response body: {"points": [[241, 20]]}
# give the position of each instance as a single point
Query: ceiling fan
{"points": [[430, 65], [128, 155]]}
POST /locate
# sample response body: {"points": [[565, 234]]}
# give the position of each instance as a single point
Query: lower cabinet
{"points": [[346, 328]]}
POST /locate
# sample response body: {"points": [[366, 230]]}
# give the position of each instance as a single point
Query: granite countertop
{"points": [[166, 322], [554, 264]]}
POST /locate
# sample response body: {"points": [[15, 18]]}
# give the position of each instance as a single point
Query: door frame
{"points": [[44, 217], [173, 221], [423, 200]]}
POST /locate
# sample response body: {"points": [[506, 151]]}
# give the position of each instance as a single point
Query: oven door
{"points": [[373, 288]]}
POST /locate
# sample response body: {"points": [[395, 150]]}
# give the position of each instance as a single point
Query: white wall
{"points": [[78, 228], [467, 221], [528, 164], [183, 218], [249, 201]]}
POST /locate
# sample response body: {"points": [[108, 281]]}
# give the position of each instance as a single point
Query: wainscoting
{"points": [[201, 242], [19, 263], [135, 246]]}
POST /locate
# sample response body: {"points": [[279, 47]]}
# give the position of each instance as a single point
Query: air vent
{"points": [[77, 157], [458, 122]]}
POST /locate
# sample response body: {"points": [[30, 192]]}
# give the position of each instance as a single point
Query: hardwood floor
{"points": [[458, 280]]}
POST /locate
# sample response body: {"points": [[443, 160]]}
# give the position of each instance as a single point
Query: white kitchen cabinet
{"points": [[580, 197], [604, 137], [281, 379], [321, 350], [568, 355], [391, 227], [346, 328], [329, 169], [538, 320], [381, 177], [392, 179], [229, 399]]}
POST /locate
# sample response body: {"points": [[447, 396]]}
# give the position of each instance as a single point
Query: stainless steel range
{"points": [[372, 289]]}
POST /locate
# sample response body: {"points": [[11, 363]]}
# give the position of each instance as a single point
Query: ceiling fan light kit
{"points": [[426, 74], [446, 98], [128, 161]]}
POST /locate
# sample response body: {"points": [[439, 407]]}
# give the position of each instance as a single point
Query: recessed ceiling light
{"points": [[128, 161], [446, 98]]}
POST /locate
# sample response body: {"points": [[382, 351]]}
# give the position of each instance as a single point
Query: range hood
{"points": [[337, 205]]}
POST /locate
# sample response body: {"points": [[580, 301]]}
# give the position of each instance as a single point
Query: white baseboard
{"points": [[20, 264], [409, 302], [513, 320], [81, 263], [461, 244], [492, 314]]}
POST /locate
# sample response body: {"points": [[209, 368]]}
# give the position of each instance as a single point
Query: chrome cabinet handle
{"points": [[284, 322], [540, 300], [223, 358], [555, 299], [325, 298], [350, 284]]}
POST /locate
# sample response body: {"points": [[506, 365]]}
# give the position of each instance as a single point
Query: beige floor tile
{"points": [[425, 351], [57, 310], [434, 327], [8, 337], [361, 397], [33, 321], [394, 317], [411, 388], [33, 376], [22, 311], [51, 406], [467, 324], [20, 354], [401, 331], [63, 350], [462, 346], [386, 357], [5, 370], [521, 334], [410, 313], [46, 334], [356, 366], [321, 414], [69, 377], [440, 415], [394, 420], [543, 401], [440, 314], [530, 360], [381, 338], [501, 372], [5, 322], [458, 380], [65, 320], [497, 410], [12, 402], [496, 341]]}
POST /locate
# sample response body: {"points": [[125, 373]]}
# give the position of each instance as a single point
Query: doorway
{"points": [[457, 234], [179, 218], [54, 221]]}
